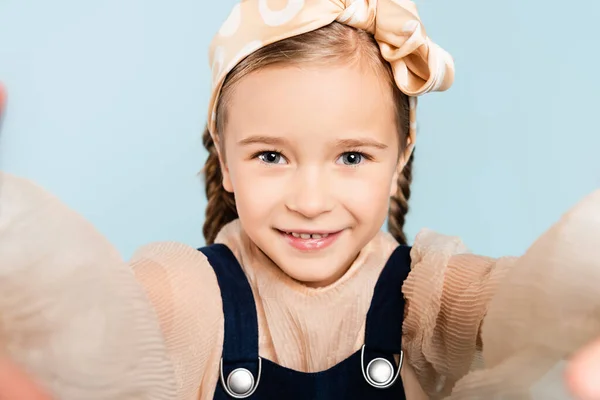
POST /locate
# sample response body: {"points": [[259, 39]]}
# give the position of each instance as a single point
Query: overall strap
{"points": [[386, 313], [241, 324]]}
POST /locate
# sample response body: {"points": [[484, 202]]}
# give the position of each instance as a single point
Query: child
{"points": [[298, 294]]}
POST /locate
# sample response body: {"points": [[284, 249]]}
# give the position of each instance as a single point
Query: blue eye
{"points": [[352, 158], [271, 157]]}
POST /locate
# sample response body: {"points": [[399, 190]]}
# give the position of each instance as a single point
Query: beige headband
{"points": [[419, 65]]}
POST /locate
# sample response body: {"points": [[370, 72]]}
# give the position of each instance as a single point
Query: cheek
{"points": [[256, 194], [367, 193]]}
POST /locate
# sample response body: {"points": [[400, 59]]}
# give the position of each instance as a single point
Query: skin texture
{"points": [[298, 158]]}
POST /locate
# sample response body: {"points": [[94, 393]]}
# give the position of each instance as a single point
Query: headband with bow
{"points": [[419, 65]]}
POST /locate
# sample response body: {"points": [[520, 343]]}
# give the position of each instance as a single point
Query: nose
{"points": [[309, 193]]}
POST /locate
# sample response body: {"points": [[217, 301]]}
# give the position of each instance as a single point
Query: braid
{"points": [[399, 203], [220, 209]]}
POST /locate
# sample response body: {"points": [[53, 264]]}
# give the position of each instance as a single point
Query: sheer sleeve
{"points": [[485, 328], [184, 292], [447, 292], [71, 312]]}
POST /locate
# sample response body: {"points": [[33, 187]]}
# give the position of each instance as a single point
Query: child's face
{"points": [[311, 150]]}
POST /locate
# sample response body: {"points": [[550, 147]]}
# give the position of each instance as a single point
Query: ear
{"points": [[227, 185], [402, 160]]}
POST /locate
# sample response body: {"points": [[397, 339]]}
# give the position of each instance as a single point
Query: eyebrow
{"points": [[276, 141], [362, 142], [270, 140]]}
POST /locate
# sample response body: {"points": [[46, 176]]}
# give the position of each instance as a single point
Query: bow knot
{"points": [[419, 65], [359, 14]]}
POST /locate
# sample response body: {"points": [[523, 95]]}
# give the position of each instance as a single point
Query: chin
{"points": [[315, 280], [311, 273]]}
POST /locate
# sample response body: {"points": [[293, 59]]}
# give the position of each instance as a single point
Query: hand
{"points": [[2, 104], [583, 372], [15, 384], [2, 100]]}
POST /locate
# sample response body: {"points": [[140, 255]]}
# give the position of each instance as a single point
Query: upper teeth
{"points": [[309, 235]]}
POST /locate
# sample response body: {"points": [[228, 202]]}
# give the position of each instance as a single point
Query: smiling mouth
{"points": [[310, 241], [308, 235]]}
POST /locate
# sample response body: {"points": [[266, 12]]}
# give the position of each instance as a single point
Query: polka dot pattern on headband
{"points": [[419, 65]]}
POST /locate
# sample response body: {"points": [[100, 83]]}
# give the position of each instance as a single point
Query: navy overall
{"points": [[372, 373]]}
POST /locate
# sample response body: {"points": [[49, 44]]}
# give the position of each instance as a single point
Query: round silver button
{"points": [[380, 371], [240, 381]]}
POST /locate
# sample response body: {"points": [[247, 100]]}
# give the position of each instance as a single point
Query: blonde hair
{"points": [[333, 43]]}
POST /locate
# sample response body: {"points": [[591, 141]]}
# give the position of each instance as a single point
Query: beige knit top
{"points": [[75, 316]]}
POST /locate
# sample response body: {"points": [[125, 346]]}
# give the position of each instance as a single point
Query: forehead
{"points": [[315, 101]]}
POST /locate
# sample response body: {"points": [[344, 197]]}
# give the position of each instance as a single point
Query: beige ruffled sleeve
{"points": [[184, 292], [71, 311], [89, 326], [483, 328], [448, 292]]}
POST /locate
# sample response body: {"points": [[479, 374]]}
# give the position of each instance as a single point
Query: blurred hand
{"points": [[15, 384], [2, 100], [583, 373]]}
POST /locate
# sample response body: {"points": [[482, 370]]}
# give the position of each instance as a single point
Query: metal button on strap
{"points": [[380, 371], [240, 381]]}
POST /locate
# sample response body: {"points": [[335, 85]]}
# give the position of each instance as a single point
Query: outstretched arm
{"points": [[72, 314], [488, 328], [146, 329]]}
